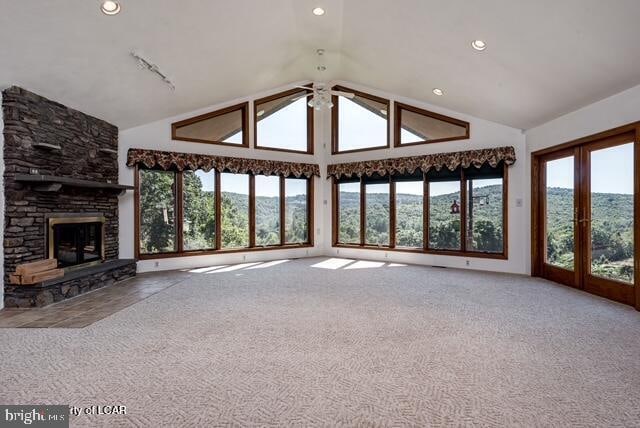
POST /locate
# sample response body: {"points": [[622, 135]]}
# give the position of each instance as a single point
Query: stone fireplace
{"points": [[61, 198]]}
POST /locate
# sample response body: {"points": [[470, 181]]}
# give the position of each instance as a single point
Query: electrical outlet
{"points": [[244, 258], [306, 252], [468, 263], [324, 202], [318, 231], [156, 264], [519, 202], [337, 251], [386, 255]]}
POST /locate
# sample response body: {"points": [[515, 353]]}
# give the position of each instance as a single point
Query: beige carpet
{"points": [[314, 342]]}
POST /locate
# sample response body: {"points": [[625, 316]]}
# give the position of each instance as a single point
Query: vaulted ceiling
{"points": [[544, 57]]}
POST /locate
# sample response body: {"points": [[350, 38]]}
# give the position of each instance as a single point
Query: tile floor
{"points": [[86, 309]]}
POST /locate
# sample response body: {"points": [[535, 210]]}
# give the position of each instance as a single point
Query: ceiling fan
{"points": [[321, 95]]}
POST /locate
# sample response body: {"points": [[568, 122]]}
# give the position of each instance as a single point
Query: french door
{"points": [[584, 209]]}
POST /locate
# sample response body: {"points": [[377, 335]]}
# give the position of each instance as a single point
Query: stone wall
{"points": [[30, 119]]}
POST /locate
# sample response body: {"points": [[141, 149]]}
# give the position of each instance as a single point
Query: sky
{"points": [[611, 170], [362, 129], [293, 135]]}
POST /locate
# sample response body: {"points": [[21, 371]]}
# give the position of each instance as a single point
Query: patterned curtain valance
{"points": [[408, 165], [192, 161]]}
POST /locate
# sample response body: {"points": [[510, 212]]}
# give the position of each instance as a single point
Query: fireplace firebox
{"points": [[76, 241]]}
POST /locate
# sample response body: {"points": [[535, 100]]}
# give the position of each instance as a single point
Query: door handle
{"points": [[584, 217]]}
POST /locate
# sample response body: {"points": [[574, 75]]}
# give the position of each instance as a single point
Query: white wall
{"points": [[617, 110], [484, 134]]}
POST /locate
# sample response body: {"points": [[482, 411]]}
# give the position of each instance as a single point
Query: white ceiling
{"points": [[544, 58]]}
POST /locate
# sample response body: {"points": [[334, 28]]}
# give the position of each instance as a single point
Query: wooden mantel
{"points": [[52, 183]]}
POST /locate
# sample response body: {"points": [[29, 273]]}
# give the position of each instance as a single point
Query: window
{"points": [[227, 126], [377, 213], [267, 210], [235, 210], [284, 122], [444, 215], [410, 212], [157, 211], [484, 214], [198, 212], [460, 212], [296, 211], [360, 123], [199, 217], [349, 213], [417, 126]]}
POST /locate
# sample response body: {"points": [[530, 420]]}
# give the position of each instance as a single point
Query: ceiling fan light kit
{"points": [[322, 96]]}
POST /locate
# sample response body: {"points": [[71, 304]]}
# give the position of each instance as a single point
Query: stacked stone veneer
{"points": [[30, 119]]}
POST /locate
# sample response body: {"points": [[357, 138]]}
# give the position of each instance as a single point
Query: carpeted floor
{"points": [[330, 342]]}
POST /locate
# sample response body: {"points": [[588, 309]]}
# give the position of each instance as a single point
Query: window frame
{"points": [[335, 210], [242, 107], [179, 208], [335, 125], [310, 119], [399, 107]]}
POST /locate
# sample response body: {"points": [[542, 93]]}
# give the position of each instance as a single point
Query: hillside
{"points": [[612, 225]]}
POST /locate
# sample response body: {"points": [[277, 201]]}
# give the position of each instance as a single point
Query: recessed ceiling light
{"points": [[110, 7], [439, 92], [479, 45], [318, 11], [260, 113]]}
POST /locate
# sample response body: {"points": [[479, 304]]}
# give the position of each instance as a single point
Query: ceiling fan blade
{"points": [[343, 94]]}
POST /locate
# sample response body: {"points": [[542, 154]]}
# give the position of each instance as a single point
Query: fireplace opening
{"points": [[76, 241]]}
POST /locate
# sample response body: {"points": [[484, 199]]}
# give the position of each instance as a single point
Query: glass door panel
{"points": [[559, 213], [585, 217], [611, 205]]}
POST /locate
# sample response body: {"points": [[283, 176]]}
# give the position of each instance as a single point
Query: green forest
{"points": [[444, 227], [611, 232], [157, 228], [611, 235]]}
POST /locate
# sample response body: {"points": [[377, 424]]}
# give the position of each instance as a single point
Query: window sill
{"points": [[277, 149], [216, 252], [495, 256], [364, 149]]}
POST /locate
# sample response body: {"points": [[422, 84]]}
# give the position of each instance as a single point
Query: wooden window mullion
{"points": [[363, 213], [310, 211], [463, 211], [335, 211], [392, 213], [218, 210], [252, 211], [282, 210], [425, 212], [179, 210], [137, 215]]}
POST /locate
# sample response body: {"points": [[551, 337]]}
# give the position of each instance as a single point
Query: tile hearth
{"points": [[88, 308]]}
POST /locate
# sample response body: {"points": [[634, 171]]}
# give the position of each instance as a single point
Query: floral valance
{"points": [[192, 161], [408, 165]]}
